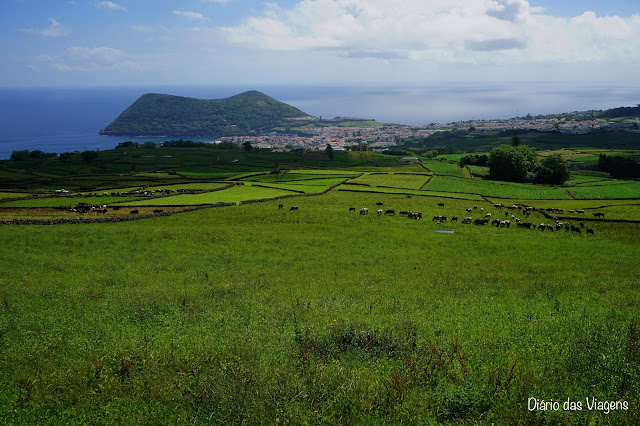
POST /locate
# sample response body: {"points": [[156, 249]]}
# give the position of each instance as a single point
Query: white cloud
{"points": [[444, 31], [194, 16], [85, 59], [55, 29], [110, 5]]}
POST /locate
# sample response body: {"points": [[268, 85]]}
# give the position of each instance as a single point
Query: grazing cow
{"points": [[454, 219], [505, 223], [506, 214], [469, 210], [495, 222], [598, 214], [352, 209], [133, 212], [481, 209], [440, 204], [498, 206], [408, 196], [571, 211], [293, 208], [467, 220], [542, 227], [404, 212], [580, 211], [488, 215], [590, 231], [575, 229], [581, 224], [390, 212], [379, 212], [480, 221], [416, 215], [280, 206], [380, 203], [364, 210], [158, 210], [475, 207]]}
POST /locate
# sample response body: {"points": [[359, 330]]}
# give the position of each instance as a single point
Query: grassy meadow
{"points": [[251, 314]]}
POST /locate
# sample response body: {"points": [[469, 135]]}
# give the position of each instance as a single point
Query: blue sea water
{"points": [[63, 119]]}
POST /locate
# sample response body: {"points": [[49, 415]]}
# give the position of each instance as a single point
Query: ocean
{"points": [[64, 119]]}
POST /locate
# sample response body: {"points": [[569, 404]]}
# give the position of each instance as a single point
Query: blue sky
{"points": [[213, 42]]}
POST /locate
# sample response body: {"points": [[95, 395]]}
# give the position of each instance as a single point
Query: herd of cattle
{"points": [[509, 217], [84, 208]]}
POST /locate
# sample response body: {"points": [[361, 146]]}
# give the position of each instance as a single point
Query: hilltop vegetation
{"points": [[166, 115]]}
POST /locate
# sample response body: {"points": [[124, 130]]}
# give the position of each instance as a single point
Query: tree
{"points": [[511, 163], [148, 145], [515, 139], [552, 170], [65, 156], [20, 155], [128, 144], [329, 151], [89, 156], [247, 146]]}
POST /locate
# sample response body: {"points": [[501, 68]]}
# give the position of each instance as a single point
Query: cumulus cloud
{"points": [[84, 59], [194, 16], [55, 29], [110, 5], [439, 30]]}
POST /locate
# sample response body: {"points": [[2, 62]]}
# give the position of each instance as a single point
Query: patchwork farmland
{"points": [[257, 294]]}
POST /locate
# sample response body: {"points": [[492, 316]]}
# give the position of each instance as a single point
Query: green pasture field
{"points": [[600, 191], [578, 179], [231, 195], [326, 182], [311, 186], [292, 177], [204, 186], [251, 314], [393, 180], [65, 201], [322, 172], [207, 175], [443, 168], [479, 170], [563, 204], [401, 191], [449, 157], [14, 195], [494, 188]]}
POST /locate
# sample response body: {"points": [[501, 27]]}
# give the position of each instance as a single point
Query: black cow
{"points": [[133, 212], [393, 212]]}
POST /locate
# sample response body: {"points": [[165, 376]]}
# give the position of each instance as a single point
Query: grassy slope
{"points": [[207, 316]]}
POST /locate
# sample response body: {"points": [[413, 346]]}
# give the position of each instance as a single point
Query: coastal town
{"points": [[347, 132]]}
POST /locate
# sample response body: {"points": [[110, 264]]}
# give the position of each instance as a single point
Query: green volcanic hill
{"points": [[167, 115]]}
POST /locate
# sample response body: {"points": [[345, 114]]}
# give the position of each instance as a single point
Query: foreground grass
{"points": [[258, 315]]}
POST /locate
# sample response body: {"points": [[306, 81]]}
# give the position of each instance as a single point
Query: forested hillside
{"points": [[166, 115]]}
